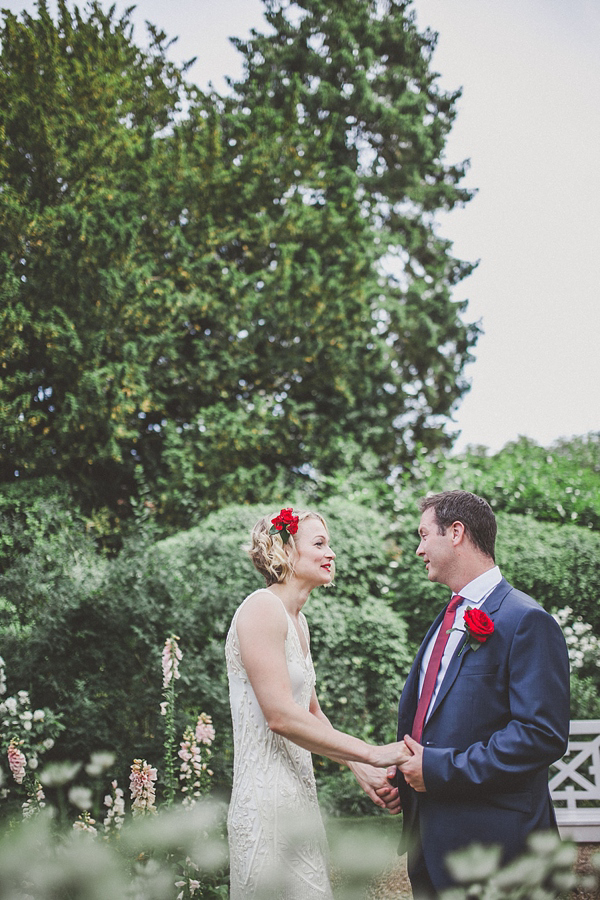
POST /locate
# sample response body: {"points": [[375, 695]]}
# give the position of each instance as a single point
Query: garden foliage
{"points": [[559, 483], [39, 862], [207, 302], [83, 633], [92, 650], [544, 871], [198, 291]]}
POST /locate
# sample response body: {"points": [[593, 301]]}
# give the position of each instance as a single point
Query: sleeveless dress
{"points": [[277, 842]]}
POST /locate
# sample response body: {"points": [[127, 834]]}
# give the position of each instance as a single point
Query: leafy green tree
{"points": [[556, 564], [195, 293], [357, 283], [81, 110], [30, 510], [559, 483]]}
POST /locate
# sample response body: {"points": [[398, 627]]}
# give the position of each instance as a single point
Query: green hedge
{"points": [[94, 629], [84, 633]]}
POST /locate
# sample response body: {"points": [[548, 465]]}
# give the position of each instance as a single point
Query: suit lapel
{"points": [[494, 601]]}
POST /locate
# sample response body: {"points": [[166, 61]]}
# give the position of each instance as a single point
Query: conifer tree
{"points": [[211, 293], [340, 102], [82, 109]]}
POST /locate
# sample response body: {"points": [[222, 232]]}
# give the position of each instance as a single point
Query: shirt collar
{"points": [[477, 590]]}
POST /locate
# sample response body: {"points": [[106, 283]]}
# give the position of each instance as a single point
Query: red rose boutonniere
{"points": [[285, 524], [478, 628]]}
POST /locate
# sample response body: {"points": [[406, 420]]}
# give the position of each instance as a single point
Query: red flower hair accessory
{"points": [[284, 524]]}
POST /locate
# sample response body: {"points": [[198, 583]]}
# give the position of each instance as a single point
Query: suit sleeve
{"points": [[537, 730]]}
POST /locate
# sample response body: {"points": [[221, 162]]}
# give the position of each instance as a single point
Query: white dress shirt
{"points": [[474, 593]]}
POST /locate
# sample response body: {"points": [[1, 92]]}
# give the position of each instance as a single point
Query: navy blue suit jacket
{"points": [[500, 718]]}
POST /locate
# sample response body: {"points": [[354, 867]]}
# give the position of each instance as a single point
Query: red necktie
{"points": [[433, 667]]}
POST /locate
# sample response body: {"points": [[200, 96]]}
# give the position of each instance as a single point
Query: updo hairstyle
{"points": [[271, 557]]}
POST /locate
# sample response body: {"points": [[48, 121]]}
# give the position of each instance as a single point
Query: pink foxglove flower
{"points": [[191, 769], [194, 773], [141, 785], [192, 884], [16, 761], [35, 801], [171, 657], [116, 809], [205, 733]]}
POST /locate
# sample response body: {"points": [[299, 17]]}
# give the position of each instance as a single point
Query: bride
{"points": [[276, 837]]}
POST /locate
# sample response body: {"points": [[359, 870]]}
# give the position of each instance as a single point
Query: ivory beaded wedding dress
{"points": [[277, 841]]}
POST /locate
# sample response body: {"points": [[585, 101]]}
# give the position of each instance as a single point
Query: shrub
{"points": [[559, 483], [92, 648], [82, 633]]}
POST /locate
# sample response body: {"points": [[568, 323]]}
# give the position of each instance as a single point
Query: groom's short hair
{"points": [[474, 512]]}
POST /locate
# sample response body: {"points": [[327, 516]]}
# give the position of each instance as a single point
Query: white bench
{"points": [[575, 779]]}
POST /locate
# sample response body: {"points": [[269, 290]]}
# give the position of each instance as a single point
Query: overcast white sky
{"points": [[529, 120]]}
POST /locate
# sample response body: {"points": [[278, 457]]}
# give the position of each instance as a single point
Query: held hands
{"points": [[407, 756]]}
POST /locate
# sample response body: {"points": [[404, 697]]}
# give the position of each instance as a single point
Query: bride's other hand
{"points": [[377, 785]]}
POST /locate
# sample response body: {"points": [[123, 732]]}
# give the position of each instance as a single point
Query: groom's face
{"points": [[435, 548]]}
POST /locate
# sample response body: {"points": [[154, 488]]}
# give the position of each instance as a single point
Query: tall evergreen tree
{"points": [[246, 286], [81, 110], [345, 90]]}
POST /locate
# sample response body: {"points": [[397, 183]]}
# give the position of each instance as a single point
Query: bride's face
{"points": [[313, 561]]}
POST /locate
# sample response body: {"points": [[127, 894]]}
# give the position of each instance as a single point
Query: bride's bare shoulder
{"points": [[262, 605]]}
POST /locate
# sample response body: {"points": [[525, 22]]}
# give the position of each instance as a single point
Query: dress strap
{"points": [[304, 625]]}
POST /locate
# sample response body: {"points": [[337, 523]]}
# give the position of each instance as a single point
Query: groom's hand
{"points": [[412, 768]]}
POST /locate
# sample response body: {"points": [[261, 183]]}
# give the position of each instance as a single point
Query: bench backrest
{"points": [[576, 777]]}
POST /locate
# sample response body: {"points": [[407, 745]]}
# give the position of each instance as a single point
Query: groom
{"points": [[485, 708]]}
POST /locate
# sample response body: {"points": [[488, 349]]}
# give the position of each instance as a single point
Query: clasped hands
{"points": [[407, 755]]}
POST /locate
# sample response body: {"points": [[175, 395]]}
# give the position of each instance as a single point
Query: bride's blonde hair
{"points": [[271, 557]]}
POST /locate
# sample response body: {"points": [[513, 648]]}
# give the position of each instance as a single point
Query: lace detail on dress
{"points": [[277, 840]]}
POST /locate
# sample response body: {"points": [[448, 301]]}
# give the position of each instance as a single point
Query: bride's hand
{"points": [[392, 754], [405, 753]]}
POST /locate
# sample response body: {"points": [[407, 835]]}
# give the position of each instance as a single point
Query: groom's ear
{"points": [[457, 532]]}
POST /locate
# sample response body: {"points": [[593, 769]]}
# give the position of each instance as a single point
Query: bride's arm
{"points": [[372, 780], [262, 628]]}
